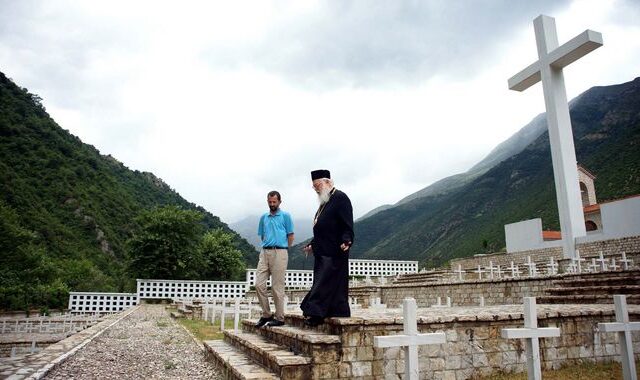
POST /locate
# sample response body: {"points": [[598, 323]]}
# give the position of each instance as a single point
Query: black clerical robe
{"points": [[329, 294]]}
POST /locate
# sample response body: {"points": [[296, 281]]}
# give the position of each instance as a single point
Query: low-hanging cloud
{"points": [[384, 43]]}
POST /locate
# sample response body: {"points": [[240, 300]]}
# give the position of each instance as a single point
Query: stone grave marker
{"points": [[479, 272], [532, 267], [515, 270], [626, 263], [623, 328], [531, 333], [552, 267], [602, 261], [460, 273], [410, 340]]}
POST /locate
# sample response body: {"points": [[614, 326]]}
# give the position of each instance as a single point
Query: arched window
{"points": [[590, 225], [584, 192]]}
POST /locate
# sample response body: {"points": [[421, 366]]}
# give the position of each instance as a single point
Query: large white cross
{"points": [[623, 327], [548, 69], [531, 332], [410, 340]]}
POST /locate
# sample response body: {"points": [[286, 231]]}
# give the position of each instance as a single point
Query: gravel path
{"points": [[147, 344]]}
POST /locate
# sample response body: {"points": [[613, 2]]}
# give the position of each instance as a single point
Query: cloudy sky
{"points": [[228, 100]]}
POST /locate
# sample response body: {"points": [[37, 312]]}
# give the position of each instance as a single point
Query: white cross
{"points": [[603, 262], [552, 267], [578, 261], [613, 265], [626, 263], [482, 301], [548, 69], [532, 267], [515, 270], [460, 273], [593, 267], [531, 332], [498, 271], [623, 327], [410, 340], [479, 272]]}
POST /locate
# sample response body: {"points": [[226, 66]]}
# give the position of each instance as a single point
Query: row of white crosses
{"points": [[513, 271], [600, 264], [237, 309], [410, 340]]}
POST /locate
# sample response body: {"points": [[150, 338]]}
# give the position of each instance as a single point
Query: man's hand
{"points": [[307, 249], [345, 246]]}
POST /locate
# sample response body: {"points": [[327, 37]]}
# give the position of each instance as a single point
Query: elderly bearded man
{"points": [[332, 239]]}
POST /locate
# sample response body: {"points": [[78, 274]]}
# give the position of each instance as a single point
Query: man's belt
{"points": [[274, 247]]}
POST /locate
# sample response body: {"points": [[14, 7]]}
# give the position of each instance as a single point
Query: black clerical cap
{"points": [[321, 173]]}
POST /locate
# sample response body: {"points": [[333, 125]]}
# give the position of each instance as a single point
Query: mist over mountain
{"points": [[465, 214]]}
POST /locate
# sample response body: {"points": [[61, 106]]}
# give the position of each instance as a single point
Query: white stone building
{"points": [[603, 221]]}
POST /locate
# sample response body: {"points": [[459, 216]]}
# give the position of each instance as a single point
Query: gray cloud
{"points": [[386, 43]]}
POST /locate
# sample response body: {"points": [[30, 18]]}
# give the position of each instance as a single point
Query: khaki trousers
{"points": [[272, 262]]}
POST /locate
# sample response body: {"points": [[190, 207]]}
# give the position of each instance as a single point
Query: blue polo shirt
{"points": [[274, 229]]}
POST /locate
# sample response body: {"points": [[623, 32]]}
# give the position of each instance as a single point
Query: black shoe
{"points": [[313, 321], [263, 321], [275, 323]]}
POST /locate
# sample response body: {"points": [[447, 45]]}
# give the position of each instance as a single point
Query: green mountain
{"points": [[513, 145], [469, 218], [68, 208]]}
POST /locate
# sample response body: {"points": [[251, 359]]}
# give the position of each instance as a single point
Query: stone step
{"points": [[599, 280], [586, 299], [234, 364], [318, 345], [595, 290], [278, 359]]}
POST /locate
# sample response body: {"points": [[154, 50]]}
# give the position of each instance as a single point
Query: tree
{"points": [[222, 260], [166, 246]]}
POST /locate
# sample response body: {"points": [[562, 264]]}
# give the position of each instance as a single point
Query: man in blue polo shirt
{"points": [[276, 232]]}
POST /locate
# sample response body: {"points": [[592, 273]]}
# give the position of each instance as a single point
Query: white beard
{"points": [[324, 195]]}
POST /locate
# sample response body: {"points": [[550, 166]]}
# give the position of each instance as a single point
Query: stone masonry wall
{"points": [[475, 347], [495, 292]]}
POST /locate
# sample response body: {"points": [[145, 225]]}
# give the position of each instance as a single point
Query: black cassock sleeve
{"points": [[345, 215]]}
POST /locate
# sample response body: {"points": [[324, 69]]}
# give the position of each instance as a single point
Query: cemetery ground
{"points": [[586, 371], [146, 344]]}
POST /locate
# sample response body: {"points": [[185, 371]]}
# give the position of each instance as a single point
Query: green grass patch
{"points": [[204, 330], [586, 371]]}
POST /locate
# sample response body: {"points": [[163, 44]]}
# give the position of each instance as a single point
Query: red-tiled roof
{"points": [[551, 235], [591, 208]]}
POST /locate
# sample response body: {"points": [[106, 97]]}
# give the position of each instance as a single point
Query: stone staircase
{"points": [[422, 278], [286, 352], [594, 288]]}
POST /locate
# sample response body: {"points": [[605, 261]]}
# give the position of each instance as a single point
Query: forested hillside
{"points": [[66, 210]]}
